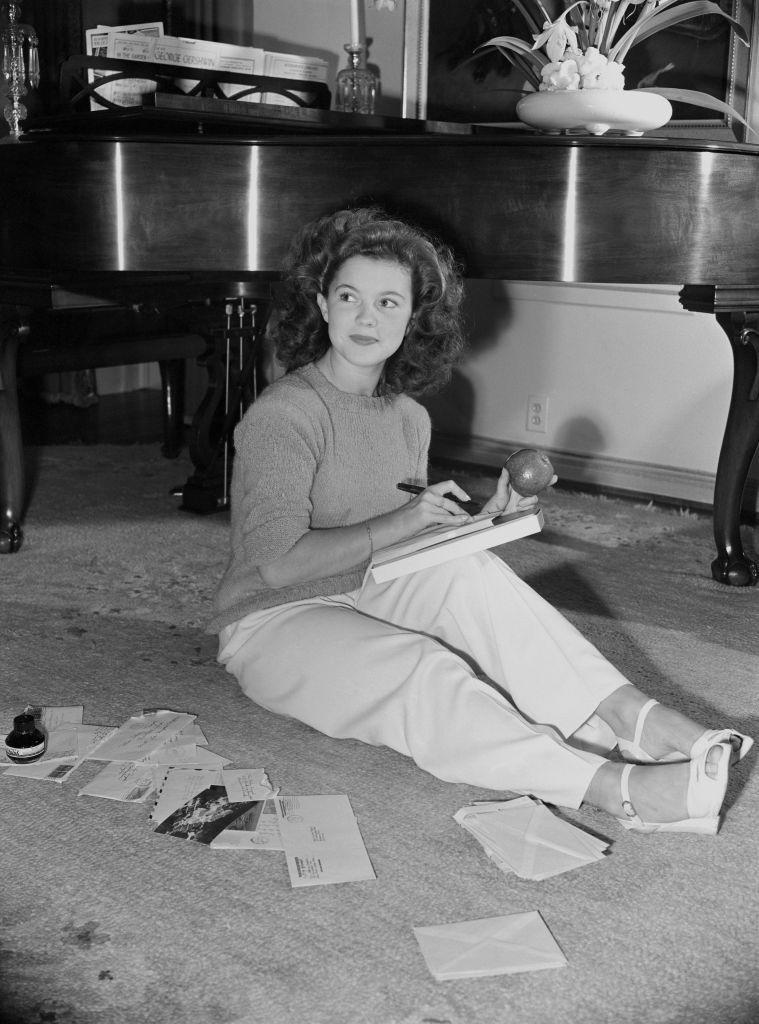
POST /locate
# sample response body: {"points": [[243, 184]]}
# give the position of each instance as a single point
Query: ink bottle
{"points": [[25, 743]]}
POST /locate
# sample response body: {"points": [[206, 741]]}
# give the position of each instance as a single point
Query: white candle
{"points": [[355, 24]]}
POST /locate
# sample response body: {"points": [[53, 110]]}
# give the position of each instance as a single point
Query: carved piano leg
{"points": [[172, 383], [732, 566], [12, 483]]}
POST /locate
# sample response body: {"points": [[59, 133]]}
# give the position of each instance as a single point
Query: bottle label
{"points": [[23, 754]]}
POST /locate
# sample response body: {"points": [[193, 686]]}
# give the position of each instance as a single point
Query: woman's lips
{"points": [[362, 339]]}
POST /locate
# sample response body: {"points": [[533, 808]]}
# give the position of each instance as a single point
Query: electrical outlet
{"points": [[537, 413]]}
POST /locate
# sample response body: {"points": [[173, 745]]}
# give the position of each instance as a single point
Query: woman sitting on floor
{"points": [[462, 667]]}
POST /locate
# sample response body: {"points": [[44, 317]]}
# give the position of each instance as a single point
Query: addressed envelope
{"points": [[188, 755], [129, 781], [140, 735], [247, 784], [54, 770], [322, 841], [495, 945]]}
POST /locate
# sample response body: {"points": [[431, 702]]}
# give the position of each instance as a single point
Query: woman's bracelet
{"points": [[371, 540]]}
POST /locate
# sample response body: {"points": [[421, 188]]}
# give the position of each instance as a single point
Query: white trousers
{"points": [[462, 667]]}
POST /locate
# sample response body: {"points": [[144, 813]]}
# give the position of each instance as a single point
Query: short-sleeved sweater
{"points": [[309, 456]]}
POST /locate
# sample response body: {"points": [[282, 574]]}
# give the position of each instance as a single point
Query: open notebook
{"points": [[443, 543]]}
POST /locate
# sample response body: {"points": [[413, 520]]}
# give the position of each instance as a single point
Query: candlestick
{"points": [[356, 86], [355, 24], [20, 66]]}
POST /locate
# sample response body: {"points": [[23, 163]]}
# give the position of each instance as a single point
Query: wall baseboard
{"points": [[645, 481]]}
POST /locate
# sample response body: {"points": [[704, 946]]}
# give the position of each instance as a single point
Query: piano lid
{"points": [[515, 205], [211, 116]]}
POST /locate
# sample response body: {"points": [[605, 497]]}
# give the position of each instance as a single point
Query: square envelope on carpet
{"points": [[523, 836], [495, 945]]}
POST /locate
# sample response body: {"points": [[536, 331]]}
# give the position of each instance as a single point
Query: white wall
{"points": [[638, 388], [320, 28]]}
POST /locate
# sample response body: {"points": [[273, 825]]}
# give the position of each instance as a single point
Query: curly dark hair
{"points": [[435, 335]]}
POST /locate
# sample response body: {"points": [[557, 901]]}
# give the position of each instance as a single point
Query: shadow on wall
{"points": [[580, 434], [452, 409]]}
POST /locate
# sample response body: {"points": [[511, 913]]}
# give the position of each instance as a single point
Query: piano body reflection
{"points": [[140, 211]]}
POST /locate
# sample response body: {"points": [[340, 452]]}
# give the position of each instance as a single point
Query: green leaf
{"points": [[531, 18], [699, 99], [576, 18], [666, 16], [520, 54], [615, 21], [513, 43]]}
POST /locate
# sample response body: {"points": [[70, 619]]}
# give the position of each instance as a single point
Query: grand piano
{"points": [[151, 206]]}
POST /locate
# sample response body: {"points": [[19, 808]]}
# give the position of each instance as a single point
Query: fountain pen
{"points": [[472, 507]]}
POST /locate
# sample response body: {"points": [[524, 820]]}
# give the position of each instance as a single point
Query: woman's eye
{"points": [[390, 303], [345, 296]]}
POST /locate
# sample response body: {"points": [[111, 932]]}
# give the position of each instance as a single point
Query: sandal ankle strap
{"points": [[624, 786], [641, 720]]}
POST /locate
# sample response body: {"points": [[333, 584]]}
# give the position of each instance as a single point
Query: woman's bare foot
{"points": [[659, 793], [665, 731]]}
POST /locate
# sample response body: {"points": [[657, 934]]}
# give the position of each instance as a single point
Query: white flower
{"points": [[557, 37], [612, 76], [561, 74], [597, 72], [591, 62]]}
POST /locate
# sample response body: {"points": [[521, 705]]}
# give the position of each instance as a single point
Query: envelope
{"points": [[490, 946], [523, 836]]}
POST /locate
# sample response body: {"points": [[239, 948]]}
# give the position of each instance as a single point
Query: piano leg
{"points": [[12, 482], [740, 441]]}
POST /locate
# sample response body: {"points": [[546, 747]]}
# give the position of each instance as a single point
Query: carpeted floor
{"points": [[106, 922]]}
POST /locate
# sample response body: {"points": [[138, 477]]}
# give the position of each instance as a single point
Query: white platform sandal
{"points": [[631, 750], [704, 798]]}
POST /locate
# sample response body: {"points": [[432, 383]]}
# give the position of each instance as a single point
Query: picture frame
{"points": [[441, 82]]}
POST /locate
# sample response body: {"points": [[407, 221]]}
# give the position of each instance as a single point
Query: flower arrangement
{"points": [[586, 45]]}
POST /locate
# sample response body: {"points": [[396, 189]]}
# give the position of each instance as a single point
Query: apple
{"points": [[529, 471]]}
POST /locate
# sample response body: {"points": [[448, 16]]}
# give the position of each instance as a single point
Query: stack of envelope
{"points": [[523, 836], [494, 945]]}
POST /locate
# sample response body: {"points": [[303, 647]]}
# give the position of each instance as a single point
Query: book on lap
{"points": [[443, 543]]}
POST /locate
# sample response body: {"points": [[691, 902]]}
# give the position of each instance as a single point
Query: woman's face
{"points": [[367, 309]]}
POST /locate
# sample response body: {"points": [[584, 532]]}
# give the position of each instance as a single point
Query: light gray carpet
{"points": [[106, 922]]}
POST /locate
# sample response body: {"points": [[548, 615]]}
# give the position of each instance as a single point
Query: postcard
{"points": [[178, 786], [203, 817], [256, 829]]}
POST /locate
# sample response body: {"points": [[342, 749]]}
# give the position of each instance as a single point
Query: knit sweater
{"points": [[309, 456]]}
